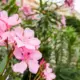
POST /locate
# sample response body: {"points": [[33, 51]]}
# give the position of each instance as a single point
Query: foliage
{"points": [[74, 22], [66, 51]]}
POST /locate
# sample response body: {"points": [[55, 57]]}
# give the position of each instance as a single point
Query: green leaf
{"points": [[3, 64]]}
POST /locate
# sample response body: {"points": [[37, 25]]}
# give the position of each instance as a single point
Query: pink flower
{"points": [[27, 10], [5, 24], [29, 13], [29, 59], [69, 3], [48, 75], [9, 21], [63, 21], [25, 38], [4, 1]]}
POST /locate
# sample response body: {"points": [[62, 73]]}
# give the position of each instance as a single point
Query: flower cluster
{"points": [[69, 3], [25, 45], [48, 75], [26, 50], [46, 72], [6, 24], [26, 8]]}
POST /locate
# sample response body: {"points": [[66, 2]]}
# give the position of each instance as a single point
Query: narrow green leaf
{"points": [[3, 64]]}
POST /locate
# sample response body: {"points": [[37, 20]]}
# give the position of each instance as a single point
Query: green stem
{"points": [[36, 76]]}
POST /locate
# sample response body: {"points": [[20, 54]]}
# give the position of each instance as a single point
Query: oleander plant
{"points": [[38, 43]]}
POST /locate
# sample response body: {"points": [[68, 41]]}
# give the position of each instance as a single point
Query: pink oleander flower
{"points": [[27, 10], [4, 1], [63, 21], [6, 23], [48, 75], [29, 59], [9, 21], [69, 3], [25, 38]]}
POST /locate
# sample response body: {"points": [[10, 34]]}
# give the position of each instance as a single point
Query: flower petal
{"points": [[19, 42], [17, 53], [19, 31], [33, 66], [28, 33], [52, 75], [20, 67], [36, 55], [34, 41], [3, 15], [14, 20], [28, 46]]}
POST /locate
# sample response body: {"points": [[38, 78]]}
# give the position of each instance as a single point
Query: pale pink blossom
{"points": [[9, 21], [48, 75], [27, 10], [4, 1], [25, 38], [29, 59], [69, 3], [29, 13], [5, 24]]}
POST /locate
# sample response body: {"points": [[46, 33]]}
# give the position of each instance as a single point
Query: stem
{"points": [[38, 78], [37, 75], [30, 76]]}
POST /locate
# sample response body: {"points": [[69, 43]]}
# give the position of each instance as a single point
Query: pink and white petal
{"points": [[28, 46], [52, 75], [34, 41], [3, 26], [14, 20], [33, 66], [17, 53], [36, 55], [49, 70], [5, 35], [28, 33], [19, 67], [48, 65], [19, 30], [19, 42], [3, 15]]}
